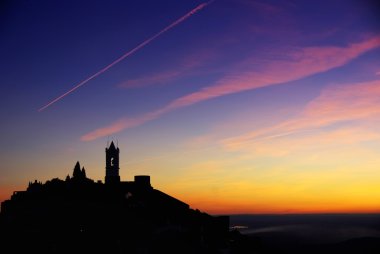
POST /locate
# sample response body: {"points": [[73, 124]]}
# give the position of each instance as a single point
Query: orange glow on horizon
{"points": [[218, 207]]}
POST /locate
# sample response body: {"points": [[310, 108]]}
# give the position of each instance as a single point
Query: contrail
{"points": [[141, 45]]}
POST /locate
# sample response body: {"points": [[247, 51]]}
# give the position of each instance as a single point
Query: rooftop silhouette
{"points": [[79, 214]]}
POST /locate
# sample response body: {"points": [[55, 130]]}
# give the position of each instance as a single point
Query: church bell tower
{"points": [[112, 164]]}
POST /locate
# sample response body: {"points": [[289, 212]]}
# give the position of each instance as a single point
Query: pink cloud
{"points": [[297, 65], [120, 125], [336, 104], [293, 65]]}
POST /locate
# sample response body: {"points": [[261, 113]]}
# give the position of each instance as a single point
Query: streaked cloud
{"points": [[157, 78], [120, 125], [185, 67], [292, 65], [321, 122]]}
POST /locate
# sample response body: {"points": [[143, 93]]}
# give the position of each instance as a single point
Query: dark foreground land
{"points": [[266, 234], [323, 233]]}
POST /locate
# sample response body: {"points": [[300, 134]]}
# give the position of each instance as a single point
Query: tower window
{"points": [[112, 159]]}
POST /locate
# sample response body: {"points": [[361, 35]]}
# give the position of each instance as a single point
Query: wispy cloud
{"points": [[293, 65], [157, 78], [185, 67], [354, 103], [120, 125]]}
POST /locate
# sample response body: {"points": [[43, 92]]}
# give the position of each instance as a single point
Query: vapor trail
{"points": [[141, 45]]}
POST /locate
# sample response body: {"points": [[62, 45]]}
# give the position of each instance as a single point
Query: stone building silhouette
{"points": [[80, 215]]}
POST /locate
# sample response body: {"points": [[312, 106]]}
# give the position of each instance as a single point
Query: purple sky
{"points": [[239, 84]]}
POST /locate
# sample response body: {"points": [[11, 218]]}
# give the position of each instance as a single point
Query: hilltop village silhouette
{"points": [[80, 215]]}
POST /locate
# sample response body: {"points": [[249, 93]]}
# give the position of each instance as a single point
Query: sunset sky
{"points": [[232, 106]]}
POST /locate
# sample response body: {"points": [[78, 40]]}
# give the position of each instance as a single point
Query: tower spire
{"points": [[77, 173], [112, 164]]}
